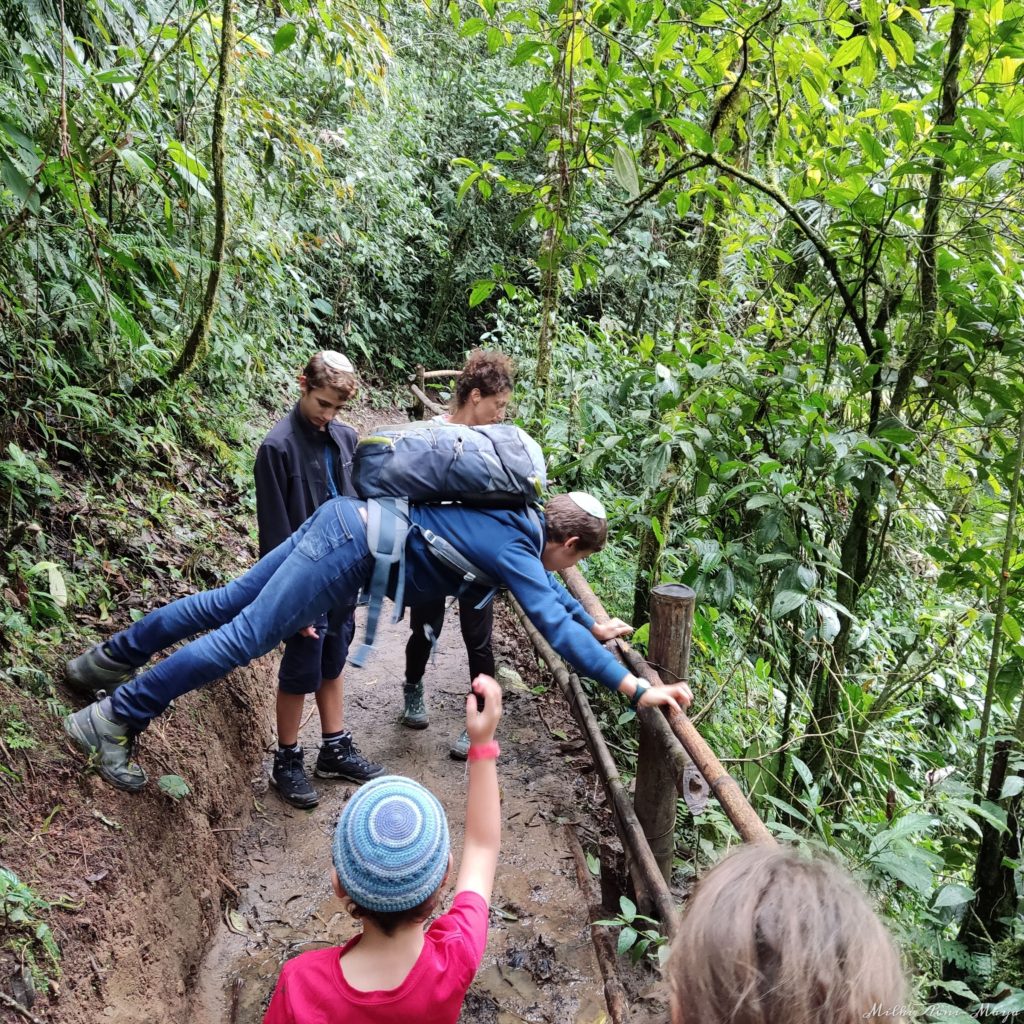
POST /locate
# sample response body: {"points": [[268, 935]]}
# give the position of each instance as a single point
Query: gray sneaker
{"points": [[108, 743], [460, 747], [414, 714], [95, 670]]}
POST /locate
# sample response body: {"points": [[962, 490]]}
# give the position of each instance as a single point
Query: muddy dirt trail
{"points": [[539, 965]]}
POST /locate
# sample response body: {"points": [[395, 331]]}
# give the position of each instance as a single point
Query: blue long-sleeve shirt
{"points": [[505, 544]]}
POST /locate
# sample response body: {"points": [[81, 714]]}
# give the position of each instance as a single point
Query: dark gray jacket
{"points": [[291, 474]]}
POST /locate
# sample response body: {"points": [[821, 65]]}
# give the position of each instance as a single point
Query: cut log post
{"points": [[654, 796], [723, 786]]}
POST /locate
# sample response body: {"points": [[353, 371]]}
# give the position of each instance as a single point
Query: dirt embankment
{"points": [[143, 873], [135, 883]]}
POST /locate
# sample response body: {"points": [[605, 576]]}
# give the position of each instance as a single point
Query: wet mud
{"points": [[539, 965]]}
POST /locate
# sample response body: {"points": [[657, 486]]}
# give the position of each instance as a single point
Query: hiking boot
{"points": [[339, 759], [460, 747], [288, 777], [96, 670], [108, 743], [414, 714]]}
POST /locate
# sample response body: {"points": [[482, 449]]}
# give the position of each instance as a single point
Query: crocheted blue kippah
{"points": [[391, 844]]}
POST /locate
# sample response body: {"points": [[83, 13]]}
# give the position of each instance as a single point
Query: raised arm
{"points": [[483, 802]]}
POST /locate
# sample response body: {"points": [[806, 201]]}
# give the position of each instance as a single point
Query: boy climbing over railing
{"points": [[323, 565], [391, 860]]}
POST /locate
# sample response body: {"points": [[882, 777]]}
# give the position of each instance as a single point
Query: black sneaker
{"points": [[339, 759], [289, 778], [95, 670], [108, 743]]}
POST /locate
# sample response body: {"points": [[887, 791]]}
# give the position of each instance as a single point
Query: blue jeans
{"points": [[321, 566]]}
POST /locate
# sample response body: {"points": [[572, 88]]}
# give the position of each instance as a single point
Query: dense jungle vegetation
{"points": [[760, 266]]}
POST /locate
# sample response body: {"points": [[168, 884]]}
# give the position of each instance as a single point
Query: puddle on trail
{"points": [[539, 965]]}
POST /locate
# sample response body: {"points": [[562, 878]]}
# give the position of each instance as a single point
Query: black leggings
{"points": [[476, 631]]}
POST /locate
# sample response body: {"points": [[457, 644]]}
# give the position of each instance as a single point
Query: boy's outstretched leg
{"points": [[108, 742], [96, 670]]}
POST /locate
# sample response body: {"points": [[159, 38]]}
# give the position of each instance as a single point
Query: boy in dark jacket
{"points": [[323, 565], [305, 460]]}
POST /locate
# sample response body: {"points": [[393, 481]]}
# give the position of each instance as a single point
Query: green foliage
{"points": [[639, 936], [25, 932], [174, 786], [776, 261]]}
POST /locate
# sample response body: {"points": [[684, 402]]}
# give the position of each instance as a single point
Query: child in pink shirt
{"points": [[391, 859]]}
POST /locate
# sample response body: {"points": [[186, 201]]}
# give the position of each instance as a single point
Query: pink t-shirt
{"points": [[313, 990]]}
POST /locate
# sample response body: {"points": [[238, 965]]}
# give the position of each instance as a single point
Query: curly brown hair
{"points": [[491, 371], [774, 937]]}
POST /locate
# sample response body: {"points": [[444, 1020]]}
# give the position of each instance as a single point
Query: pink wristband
{"points": [[484, 751]]}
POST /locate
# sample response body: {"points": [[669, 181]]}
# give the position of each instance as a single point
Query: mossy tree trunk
{"points": [[196, 341]]}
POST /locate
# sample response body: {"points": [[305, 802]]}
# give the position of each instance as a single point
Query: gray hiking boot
{"points": [[96, 670], [460, 747], [108, 743], [414, 715]]}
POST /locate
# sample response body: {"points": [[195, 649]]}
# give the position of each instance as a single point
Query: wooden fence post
{"points": [[418, 409], [654, 796]]}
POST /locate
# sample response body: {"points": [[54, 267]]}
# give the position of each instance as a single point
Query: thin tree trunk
{"points": [[995, 896], [709, 268], [1009, 550], [854, 561], [927, 264], [550, 256], [196, 341], [649, 555]]}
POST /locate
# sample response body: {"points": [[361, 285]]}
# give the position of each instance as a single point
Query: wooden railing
{"points": [[422, 400]]}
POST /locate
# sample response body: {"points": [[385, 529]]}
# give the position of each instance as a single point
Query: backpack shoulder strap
{"points": [[534, 517], [387, 526], [455, 561]]}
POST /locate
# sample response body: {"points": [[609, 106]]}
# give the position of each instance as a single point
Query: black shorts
{"points": [[307, 661]]}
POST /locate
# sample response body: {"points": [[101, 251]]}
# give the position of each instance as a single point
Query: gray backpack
{"points": [[495, 466]]}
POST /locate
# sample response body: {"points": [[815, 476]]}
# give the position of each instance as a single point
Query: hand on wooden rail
{"points": [[678, 695], [610, 629]]}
